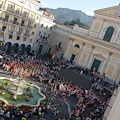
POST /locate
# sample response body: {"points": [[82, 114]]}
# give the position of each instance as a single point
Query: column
{"points": [[107, 60], [29, 15], [12, 16], [91, 25], [89, 57], [0, 25], [14, 8], [68, 47], [102, 26], [102, 34], [116, 73], [26, 23], [34, 21], [3, 13], [83, 44], [9, 27], [114, 36], [5, 5]]}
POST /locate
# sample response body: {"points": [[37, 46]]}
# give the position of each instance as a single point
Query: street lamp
{"points": [[3, 44]]}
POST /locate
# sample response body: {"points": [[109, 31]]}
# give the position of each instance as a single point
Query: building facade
{"points": [[111, 112], [19, 21], [52, 38], [44, 32], [58, 40], [98, 47]]}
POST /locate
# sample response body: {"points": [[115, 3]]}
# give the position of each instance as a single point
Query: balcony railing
{"points": [[11, 31], [19, 33], [15, 22], [26, 34], [10, 10], [11, 21], [3, 29], [23, 25], [17, 12], [29, 27], [6, 20]]}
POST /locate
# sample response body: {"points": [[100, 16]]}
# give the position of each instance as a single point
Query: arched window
{"points": [[108, 34], [77, 46]]}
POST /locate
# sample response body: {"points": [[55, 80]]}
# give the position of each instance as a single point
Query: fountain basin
{"points": [[34, 101]]}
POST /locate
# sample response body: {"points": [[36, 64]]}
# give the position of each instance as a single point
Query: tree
{"points": [[73, 22]]}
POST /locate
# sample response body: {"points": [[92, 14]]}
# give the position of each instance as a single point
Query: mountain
{"points": [[65, 14]]}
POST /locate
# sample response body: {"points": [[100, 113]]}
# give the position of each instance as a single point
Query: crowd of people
{"points": [[46, 73]]}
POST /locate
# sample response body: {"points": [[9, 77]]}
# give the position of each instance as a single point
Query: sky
{"points": [[86, 6]]}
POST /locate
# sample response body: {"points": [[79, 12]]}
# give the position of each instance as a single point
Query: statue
{"points": [[28, 89], [7, 83], [27, 98], [31, 93], [14, 97], [3, 92]]}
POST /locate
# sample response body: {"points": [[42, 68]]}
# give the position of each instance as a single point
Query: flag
{"points": [[1, 43], [43, 42], [56, 48], [104, 77], [53, 56], [94, 69]]}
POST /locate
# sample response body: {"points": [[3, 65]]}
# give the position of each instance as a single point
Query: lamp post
{"points": [[3, 44]]}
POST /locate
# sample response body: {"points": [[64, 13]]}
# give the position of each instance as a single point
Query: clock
{"points": [[117, 12]]}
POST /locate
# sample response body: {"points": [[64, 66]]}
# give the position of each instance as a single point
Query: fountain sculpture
{"points": [[18, 90]]}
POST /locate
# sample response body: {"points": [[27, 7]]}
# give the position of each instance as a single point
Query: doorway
{"points": [[95, 65], [72, 57]]}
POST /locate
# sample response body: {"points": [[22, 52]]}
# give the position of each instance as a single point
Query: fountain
{"points": [[18, 89], [20, 92], [20, 84]]}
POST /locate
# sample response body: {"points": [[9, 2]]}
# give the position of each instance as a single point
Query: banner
{"points": [[57, 47], [94, 69], [53, 56], [43, 42], [1, 44]]}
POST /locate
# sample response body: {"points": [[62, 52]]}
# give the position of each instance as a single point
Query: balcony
{"points": [[29, 27], [25, 15], [11, 31], [11, 21], [3, 29], [30, 18], [22, 25], [17, 12], [15, 22], [19, 33], [6, 20], [26, 34], [10, 10]]}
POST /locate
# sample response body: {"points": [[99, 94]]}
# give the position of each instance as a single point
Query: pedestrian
{"points": [[39, 114]]}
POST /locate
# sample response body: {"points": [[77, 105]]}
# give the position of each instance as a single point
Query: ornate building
{"points": [[98, 47], [19, 24]]}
